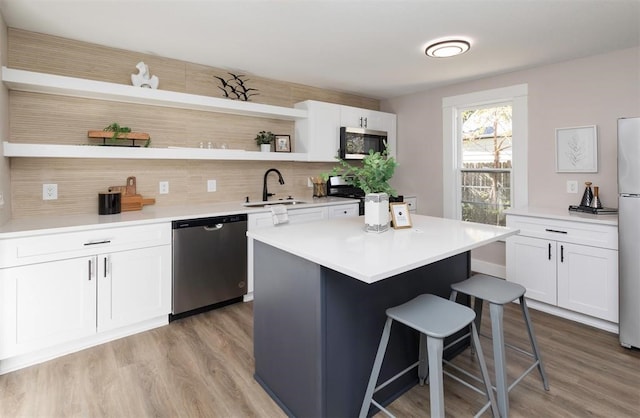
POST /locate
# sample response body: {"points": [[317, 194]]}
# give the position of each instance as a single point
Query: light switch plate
{"points": [[49, 191], [572, 186], [211, 185]]}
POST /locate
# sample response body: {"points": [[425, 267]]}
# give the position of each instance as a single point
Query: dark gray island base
{"points": [[316, 331]]}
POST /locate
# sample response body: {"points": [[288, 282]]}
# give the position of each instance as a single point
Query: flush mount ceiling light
{"points": [[449, 48]]}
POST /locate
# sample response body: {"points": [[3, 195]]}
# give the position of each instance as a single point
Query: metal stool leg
{"points": [[375, 372], [497, 332], [534, 344], [423, 367], [484, 371], [436, 384]]}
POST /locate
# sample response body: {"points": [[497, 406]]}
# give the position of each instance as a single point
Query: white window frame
{"points": [[452, 147]]}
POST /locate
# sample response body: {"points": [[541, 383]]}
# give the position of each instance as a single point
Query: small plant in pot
{"points": [[264, 140], [372, 176]]}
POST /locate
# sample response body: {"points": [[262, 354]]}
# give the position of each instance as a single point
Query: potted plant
{"points": [[264, 140], [372, 176]]}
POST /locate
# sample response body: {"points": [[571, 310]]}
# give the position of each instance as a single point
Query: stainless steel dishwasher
{"points": [[209, 263]]}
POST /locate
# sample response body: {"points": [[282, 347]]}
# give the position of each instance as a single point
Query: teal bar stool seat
{"points": [[435, 318], [499, 292]]}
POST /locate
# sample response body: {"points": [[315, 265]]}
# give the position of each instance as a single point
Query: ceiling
{"points": [[373, 48]]}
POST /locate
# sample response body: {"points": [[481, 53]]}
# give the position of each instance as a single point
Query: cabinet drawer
{"points": [[41, 248], [342, 211], [584, 233]]}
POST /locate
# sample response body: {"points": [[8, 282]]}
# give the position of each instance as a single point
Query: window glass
{"points": [[486, 163]]}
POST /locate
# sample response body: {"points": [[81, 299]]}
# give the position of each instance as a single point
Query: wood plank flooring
{"points": [[202, 366]]}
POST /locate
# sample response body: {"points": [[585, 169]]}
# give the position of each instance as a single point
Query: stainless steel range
{"points": [[337, 186]]}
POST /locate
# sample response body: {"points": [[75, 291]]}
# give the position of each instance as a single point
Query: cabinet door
{"points": [[355, 117], [133, 286], [588, 280], [46, 304], [531, 262], [318, 135]]}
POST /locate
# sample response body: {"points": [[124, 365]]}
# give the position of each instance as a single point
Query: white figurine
{"points": [[142, 79]]}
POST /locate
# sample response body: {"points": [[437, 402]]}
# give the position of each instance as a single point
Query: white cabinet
{"points": [[58, 288], [354, 117], [568, 263], [46, 304], [133, 286], [319, 134]]}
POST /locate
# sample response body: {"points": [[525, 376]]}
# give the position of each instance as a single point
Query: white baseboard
{"points": [[573, 316], [484, 267]]}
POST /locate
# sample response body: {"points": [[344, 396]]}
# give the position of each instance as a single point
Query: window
{"points": [[485, 162]]}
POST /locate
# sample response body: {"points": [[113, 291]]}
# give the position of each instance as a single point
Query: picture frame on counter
{"points": [[400, 215], [283, 143], [577, 149]]}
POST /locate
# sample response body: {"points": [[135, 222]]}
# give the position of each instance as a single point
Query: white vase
{"points": [[376, 212], [265, 147]]}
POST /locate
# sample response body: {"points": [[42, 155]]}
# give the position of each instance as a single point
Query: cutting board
{"points": [[130, 200], [134, 202]]}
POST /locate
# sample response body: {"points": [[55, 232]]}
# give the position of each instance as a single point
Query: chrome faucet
{"points": [[265, 193]]}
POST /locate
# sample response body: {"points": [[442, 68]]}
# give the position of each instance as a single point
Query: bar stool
{"points": [[499, 292], [435, 318]]}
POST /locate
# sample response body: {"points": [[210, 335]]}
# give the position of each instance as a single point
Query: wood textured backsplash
{"points": [[41, 118]]}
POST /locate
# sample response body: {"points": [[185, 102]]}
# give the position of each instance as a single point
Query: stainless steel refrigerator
{"points": [[629, 230]]}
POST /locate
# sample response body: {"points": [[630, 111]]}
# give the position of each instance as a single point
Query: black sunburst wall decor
{"points": [[235, 87]]}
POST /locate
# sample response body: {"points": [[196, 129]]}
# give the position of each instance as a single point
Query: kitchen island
{"points": [[321, 291]]}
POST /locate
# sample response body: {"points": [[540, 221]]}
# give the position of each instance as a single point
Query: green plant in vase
{"points": [[265, 138], [372, 175]]}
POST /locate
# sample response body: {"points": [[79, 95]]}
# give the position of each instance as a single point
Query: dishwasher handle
{"points": [[215, 227]]}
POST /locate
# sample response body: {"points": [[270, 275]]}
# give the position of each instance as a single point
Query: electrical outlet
{"points": [[309, 182], [1, 199], [164, 187], [572, 186], [211, 185], [49, 191]]}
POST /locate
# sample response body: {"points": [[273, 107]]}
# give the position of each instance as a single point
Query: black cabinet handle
{"points": [[89, 269], [562, 253], [549, 251], [557, 231], [106, 241]]}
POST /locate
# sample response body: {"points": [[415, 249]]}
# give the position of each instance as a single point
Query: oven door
{"points": [[355, 143]]}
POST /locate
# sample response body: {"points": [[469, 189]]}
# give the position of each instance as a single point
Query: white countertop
{"points": [[343, 245], [565, 215], [149, 214]]}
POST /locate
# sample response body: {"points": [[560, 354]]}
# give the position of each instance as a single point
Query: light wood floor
{"points": [[202, 366]]}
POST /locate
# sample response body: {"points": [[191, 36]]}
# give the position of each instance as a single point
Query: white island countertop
{"points": [[343, 245]]}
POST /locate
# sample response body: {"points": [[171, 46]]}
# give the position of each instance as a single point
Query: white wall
{"points": [[589, 91], [5, 183]]}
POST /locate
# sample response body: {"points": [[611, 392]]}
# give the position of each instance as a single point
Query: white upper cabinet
{"points": [[319, 134], [354, 117]]}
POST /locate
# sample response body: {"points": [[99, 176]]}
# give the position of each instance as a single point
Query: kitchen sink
{"points": [[261, 204]]}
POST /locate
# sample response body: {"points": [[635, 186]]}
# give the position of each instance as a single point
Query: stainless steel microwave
{"points": [[355, 143]]}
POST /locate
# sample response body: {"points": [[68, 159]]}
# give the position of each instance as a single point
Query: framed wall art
{"points": [[283, 143], [577, 149]]}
